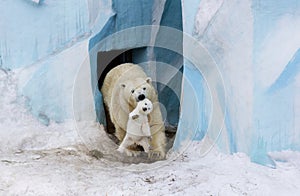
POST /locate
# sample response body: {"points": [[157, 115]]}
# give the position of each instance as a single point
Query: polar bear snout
{"points": [[144, 109], [141, 97]]}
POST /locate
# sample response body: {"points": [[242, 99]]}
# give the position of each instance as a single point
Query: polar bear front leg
{"points": [[120, 133], [158, 143]]}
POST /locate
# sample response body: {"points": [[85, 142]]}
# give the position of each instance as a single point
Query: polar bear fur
{"points": [[138, 129], [121, 88]]}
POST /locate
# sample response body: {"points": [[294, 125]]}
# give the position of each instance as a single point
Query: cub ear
{"points": [[123, 85], [135, 117], [148, 80]]}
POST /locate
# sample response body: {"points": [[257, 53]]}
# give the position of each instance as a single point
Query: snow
{"points": [[18, 128], [70, 171], [54, 160]]}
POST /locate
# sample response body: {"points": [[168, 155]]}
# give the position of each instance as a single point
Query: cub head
{"points": [[137, 90], [145, 106]]}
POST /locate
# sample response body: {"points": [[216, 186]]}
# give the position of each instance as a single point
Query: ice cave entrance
{"points": [[168, 86], [138, 37]]}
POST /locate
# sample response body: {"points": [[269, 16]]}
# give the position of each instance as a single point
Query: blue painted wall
{"points": [[145, 14]]}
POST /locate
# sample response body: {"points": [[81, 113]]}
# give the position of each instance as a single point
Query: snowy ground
{"points": [[70, 171], [40, 160]]}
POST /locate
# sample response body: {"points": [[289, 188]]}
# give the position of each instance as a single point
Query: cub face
{"points": [[145, 106]]}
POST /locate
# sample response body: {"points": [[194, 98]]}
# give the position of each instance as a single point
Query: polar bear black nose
{"points": [[141, 97], [144, 109]]}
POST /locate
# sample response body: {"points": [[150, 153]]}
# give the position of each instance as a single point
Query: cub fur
{"points": [[138, 129]]}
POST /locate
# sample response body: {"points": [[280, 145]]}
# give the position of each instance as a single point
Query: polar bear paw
{"points": [[156, 155], [132, 153]]}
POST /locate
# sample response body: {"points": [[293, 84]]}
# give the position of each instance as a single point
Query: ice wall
{"points": [[31, 32], [46, 41], [141, 41], [256, 48], [276, 63]]}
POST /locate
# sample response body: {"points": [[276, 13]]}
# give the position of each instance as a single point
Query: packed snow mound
{"points": [[19, 129]]}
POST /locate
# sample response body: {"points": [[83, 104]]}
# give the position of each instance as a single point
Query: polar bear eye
{"points": [[132, 91], [145, 103], [144, 88]]}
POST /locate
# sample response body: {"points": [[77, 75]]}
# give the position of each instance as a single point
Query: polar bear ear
{"points": [[148, 80], [123, 85]]}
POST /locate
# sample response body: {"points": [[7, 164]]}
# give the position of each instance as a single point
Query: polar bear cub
{"points": [[138, 129]]}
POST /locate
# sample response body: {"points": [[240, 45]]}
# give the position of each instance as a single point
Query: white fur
{"points": [[138, 129], [120, 101]]}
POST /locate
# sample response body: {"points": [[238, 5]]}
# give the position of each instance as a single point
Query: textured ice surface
{"points": [[31, 32], [254, 46]]}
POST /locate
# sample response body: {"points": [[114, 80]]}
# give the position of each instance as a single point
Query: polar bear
{"points": [[122, 88], [138, 129]]}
